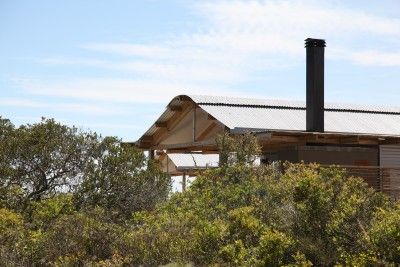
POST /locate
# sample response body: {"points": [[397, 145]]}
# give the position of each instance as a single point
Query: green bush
{"points": [[78, 239], [117, 209], [12, 237], [385, 234]]}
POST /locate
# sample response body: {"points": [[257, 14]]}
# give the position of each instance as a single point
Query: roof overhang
{"points": [[179, 107], [175, 109]]}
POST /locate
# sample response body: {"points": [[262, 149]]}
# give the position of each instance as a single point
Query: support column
{"points": [[151, 154], [184, 182], [167, 164]]}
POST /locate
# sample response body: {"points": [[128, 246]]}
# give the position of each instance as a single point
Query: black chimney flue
{"points": [[315, 49]]}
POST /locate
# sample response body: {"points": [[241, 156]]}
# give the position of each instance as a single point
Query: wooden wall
{"points": [[328, 155]]}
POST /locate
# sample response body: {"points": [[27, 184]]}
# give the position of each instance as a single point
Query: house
{"points": [[363, 139]]}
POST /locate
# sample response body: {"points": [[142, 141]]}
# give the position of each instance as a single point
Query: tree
{"points": [[241, 149], [44, 158], [121, 180]]}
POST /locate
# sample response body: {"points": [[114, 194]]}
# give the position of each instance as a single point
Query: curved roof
{"points": [[282, 115]]}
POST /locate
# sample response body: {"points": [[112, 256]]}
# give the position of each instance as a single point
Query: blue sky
{"points": [[112, 66]]}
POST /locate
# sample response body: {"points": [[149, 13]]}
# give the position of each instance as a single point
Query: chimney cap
{"points": [[311, 42]]}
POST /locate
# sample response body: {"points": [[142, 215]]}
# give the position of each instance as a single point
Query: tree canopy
{"points": [[47, 159], [43, 159], [107, 205]]}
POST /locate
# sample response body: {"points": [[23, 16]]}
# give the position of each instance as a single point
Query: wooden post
{"points": [[167, 164], [151, 154], [184, 182]]}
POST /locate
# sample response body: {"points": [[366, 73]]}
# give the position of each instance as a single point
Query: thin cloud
{"points": [[82, 108], [240, 37], [236, 40], [113, 90], [63, 60], [298, 17], [198, 72], [128, 49], [377, 58]]}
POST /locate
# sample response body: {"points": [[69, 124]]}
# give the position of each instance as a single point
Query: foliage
{"points": [[11, 234], [113, 208], [241, 215], [43, 158], [65, 193], [44, 213], [85, 238], [242, 149], [121, 181], [385, 233], [305, 215]]}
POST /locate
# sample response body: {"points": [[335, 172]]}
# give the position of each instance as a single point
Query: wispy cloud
{"points": [[239, 31], [129, 49], [377, 58], [294, 18], [278, 27], [237, 39], [63, 60], [113, 90], [82, 108]]}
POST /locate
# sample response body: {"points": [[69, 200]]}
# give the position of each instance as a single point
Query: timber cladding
{"points": [[328, 155]]}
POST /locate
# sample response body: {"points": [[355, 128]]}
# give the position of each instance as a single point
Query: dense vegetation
{"points": [[70, 198]]}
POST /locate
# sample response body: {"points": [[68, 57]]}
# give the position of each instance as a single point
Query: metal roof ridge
{"points": [[362, 111], [300, 108], [291, 104], [251, 105]]}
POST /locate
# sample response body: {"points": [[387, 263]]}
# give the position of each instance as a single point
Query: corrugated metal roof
{"points": [[295, 120], [194, 160], [273, 114], [262, 118], [291, 115]]}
